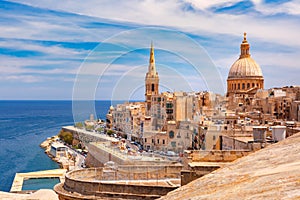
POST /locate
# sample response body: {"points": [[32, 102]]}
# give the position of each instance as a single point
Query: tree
{"points": [[100, 129], [89, 127], [110, 132], [79, 125], [66, 136]]}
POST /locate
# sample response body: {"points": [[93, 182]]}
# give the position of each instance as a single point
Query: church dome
{"points": [[245, 66]]}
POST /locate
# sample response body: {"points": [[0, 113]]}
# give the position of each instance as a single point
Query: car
{"points": [[171, 153]]}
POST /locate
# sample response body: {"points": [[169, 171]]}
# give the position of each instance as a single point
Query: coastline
{"points": [[46, 145], [67, 157]]}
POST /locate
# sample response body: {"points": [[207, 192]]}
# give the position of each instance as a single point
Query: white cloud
{"points": [[290, 7], [21, 78], [13, 65], [169, 13], [50, 50], [206, 4]]}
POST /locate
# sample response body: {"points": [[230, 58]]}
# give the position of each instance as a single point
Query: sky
{"points": [[99, 49]]}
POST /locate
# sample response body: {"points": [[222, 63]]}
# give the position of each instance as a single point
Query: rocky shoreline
{"points": [[64, 162]]}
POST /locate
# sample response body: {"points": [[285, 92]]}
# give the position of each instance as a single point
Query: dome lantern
{"points": [[245, 47]]}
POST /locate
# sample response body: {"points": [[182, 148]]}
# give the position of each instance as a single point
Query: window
{"points": [[145, 140], [187, 136], [173, 144], [243, 86], [152, 87], [169, 105], [157, 141], [171, 134], [163, 141], [239, 86], [169, 111], [248, 85], [152, 141], [253, 84]]}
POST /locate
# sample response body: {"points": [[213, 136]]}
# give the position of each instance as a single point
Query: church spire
{"points": [[245, 46], [151, 60], [152, 68], [151, 80]]}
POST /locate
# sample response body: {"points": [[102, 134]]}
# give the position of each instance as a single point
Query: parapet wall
{"points": [[213, 156], [130, 172], [82, 136], [124, 182]]}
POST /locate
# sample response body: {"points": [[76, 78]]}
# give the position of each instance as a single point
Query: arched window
{"points": [[152, 87], [171, 134], [239, 86], [248, 85], [243, 86]]}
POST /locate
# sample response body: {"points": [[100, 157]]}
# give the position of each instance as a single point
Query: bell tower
{"points": [[151, 79]]}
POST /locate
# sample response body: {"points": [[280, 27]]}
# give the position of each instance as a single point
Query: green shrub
{"points": [[79, 125], [66, 136], [110, 132]]}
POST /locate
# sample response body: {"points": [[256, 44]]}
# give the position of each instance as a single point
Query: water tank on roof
{"points": [[259, 133], [278, 133]]}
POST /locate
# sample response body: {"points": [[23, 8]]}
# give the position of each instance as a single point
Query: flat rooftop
{"points": [[124, 156], [161, 182], [207, 164]]}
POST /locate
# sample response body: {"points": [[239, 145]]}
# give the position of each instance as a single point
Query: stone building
{"points": [[279, 103], [129, 118], [244, 79]]}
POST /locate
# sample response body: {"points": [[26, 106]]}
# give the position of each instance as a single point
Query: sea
{"points": [[24, 125]]}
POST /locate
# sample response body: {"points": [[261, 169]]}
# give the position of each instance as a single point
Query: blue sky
{"points": [[100, 48]]}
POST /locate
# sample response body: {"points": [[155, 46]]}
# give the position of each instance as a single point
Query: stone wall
{"points": [[190, 175], [91, 161], [100, 153], [94, 183], [131, 172], [114, 191], [80, 135], [229, 143], [212, 156], [98, 157]]}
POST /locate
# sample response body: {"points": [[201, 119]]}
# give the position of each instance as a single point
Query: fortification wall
{"points": [[107, 182], [97, 157]]}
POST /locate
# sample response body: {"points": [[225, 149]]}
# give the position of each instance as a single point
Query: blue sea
{"points": [[25, 124]]}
